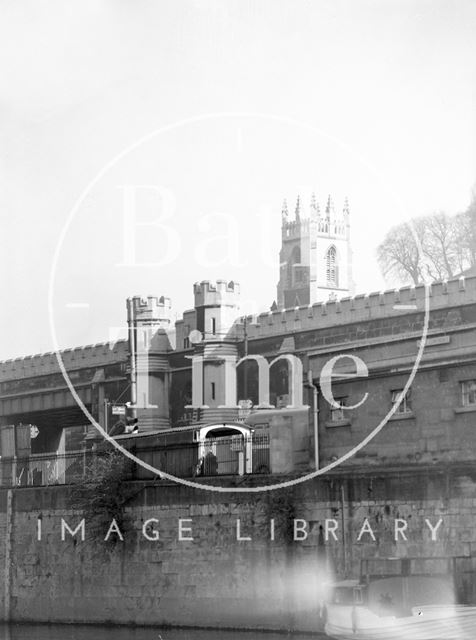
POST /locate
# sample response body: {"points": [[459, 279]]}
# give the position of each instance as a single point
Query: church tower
{"points": [[315, 258]]}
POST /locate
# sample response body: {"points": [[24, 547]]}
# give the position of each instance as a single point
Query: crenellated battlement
{"points": [[295, 228], [338, 228], [220, 293], [360, 308], [150, 308], [363, 307], [40, 364]]}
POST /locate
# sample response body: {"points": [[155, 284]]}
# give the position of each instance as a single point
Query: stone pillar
{"points": [[197, 381], [230, 381]]}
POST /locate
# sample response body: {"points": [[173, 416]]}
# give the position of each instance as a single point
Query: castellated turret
{"points": [[214, 356], [315, 256], [216, 306], [216, 294], [149, 318], [152, 310]]}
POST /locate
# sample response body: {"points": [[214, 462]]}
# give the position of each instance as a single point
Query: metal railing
{"points": [[235, 455], [44, 469]]}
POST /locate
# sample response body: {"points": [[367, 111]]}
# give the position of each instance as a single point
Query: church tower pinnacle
{"points": [[298, 209], [284, 211], [345, 210], [315, 213], [329, 209], [315, 256]]}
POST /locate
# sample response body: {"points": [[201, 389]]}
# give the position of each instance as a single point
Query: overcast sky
{"points": [[238, 104]]}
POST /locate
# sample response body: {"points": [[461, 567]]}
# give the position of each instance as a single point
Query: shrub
{"points": [[102, 493]]}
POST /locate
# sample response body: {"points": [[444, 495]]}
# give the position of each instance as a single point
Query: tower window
{"points": [[296, 255], [214, 326], [294, 266], [331, 267], [213, 391]]}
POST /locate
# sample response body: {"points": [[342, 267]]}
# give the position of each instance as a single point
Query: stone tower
{"points": [[148, 320], [315, 257], [213, 363]]}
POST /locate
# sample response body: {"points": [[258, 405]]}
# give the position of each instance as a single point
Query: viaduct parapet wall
{"points": [[364, 307], [360, 308], [93, 355]]}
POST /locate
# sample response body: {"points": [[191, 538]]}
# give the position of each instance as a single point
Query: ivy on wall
{"points": [[279, 506], [102, 493]]}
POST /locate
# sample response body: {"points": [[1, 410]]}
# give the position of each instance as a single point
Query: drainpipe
{"points": [[7, 578], [344, 540], [132, 347], [106, 415], [315, 417]]}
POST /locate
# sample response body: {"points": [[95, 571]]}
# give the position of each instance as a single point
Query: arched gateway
{"points": [[231, 449]]}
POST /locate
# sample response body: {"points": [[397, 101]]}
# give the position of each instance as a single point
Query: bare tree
{"points": [[440, 246], [466, 230], [435, 247], [398, 255]]}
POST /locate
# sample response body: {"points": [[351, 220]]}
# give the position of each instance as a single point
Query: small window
{"points": [[213, 391], [405, 405], [186, 343], [145, 338], [338, 414], [468, 392], [214, 326]]}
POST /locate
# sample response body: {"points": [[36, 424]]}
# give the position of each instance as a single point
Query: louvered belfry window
{"points": [[331, 266]]}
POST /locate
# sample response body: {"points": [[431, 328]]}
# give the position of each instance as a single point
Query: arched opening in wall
{"points": [[224, 450], [279, 384], [332, 270], [180, 399], [247, 381]]}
